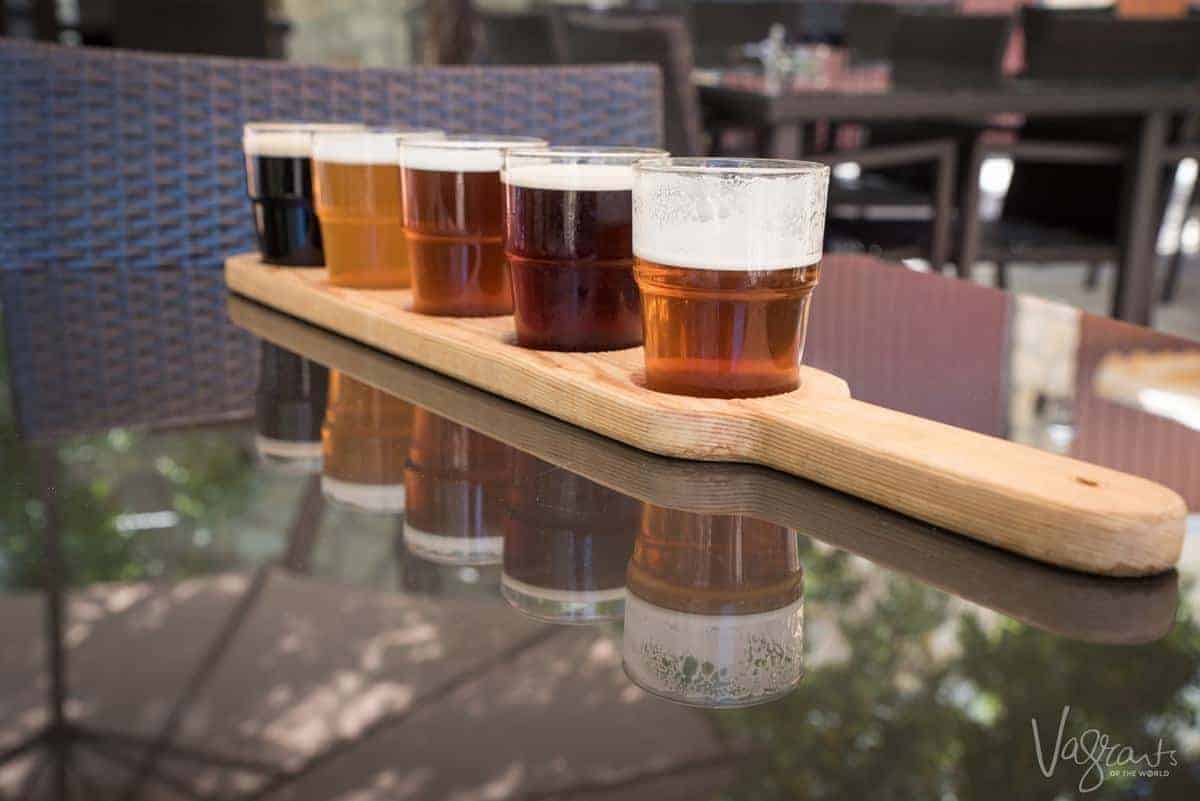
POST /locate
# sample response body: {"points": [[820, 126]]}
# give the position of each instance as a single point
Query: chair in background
{"points": [[515, 38], [662, 39], [1065, 197], [903, 204], [124, 190], [718, 29], [212, 27], [870, 27]]}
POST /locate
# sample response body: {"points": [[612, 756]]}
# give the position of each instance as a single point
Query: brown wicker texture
{"points": [[123, 190]]}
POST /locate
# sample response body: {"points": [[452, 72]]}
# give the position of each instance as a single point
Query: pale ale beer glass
{"points": [[358, 201], [568, 233], [567, 542], [366, 437], [454, 223], [727, 254], [714, 614], [280, 186]]}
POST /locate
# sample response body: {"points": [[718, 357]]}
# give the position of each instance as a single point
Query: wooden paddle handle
{"points": [[1039, 504]]}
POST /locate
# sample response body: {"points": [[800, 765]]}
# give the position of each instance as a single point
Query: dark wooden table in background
{"points": [[780, 119]]}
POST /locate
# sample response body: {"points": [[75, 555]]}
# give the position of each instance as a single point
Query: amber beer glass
{"points": [[289, 409], [567, 542], [454, 223], [715, 608], [366, 437], [568, 233], [279, 183], [358, 201], [727, 252], [456, 483]]}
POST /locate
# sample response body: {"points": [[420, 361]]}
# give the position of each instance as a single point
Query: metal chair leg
{"points": [[969, 229], [1171, 284], [1093, 275], [1001, 280]]}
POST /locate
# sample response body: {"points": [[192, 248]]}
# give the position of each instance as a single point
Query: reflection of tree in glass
{"points": [[201, 478], [927, 698]]}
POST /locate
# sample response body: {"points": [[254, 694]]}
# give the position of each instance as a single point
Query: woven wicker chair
{"points": [[123, 190], [596, 38]]}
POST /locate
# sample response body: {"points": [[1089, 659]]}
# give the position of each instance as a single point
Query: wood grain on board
{"points": [[1089, 608], [1041, 505]]}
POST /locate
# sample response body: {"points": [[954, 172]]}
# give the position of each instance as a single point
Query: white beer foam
{"points": [[383, 498], [561, 596], [713, 660], [286, 141], [476, 155], [572, 177], [749, 222], [364, 147], [449, 550], [283, 144]]}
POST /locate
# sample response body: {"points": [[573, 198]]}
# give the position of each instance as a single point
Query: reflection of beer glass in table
{"points": [[280, 186], [456, 484], [568, 237], [366, 436], [358, 200], [567, 542], [289, 407], [714, 613], [453, 221], [727, 254]]}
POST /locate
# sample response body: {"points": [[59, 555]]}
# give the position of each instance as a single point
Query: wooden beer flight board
{"points": [[1041, 505]]}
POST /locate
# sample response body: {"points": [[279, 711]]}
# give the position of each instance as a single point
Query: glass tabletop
{"points": [[258, 560]]}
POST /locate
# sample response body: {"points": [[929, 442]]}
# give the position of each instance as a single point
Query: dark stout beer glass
{"points": [[289, 407], [568, 229], [356, 185], [727, 254], [454, 223], [280, 186], [456, 484], [366, 437], [567, 542], [715, 609]]}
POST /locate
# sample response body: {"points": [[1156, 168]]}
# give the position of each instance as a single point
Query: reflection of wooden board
{"points": [[1090, 608], [1048, 507], [1166, 384]]}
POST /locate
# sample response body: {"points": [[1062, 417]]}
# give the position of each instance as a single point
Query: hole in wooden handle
{"points": [[1087, 482]]}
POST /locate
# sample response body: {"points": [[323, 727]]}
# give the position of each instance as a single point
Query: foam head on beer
{"points": [[453, 223], [714, 610], [280, 187], [358, 201], [568, 238], [727, 253]]}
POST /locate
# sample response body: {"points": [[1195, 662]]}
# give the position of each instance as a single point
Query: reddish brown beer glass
{"points": [[454, 223], [456, 483]]}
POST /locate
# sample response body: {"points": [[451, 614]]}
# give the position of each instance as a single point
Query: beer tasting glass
{"points": [[567, 541], [714, 614], [456, 483], [453, 220], [358, 201], [727, 252], [366, 437], [280, 186], [568, 228], [289, 408]]}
